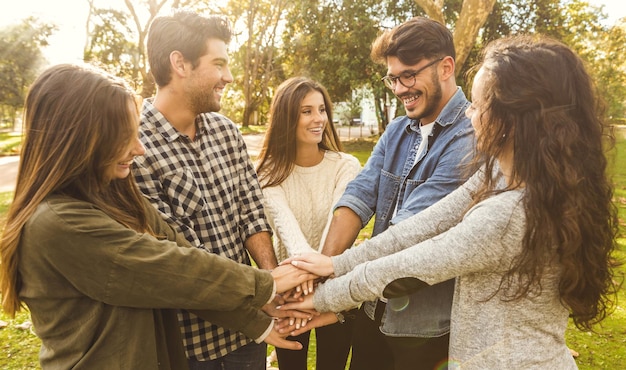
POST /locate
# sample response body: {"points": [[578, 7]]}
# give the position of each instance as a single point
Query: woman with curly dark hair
{"points": [[528, 238]]}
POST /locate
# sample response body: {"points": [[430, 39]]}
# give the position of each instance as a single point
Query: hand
{"points": [[278, 340], [288, 277], [317, 321], [303, 305], [271, 310], [306, 287], [315, 263]]}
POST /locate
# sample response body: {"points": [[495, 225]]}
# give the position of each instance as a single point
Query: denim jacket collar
{"points": [[449, 114]]}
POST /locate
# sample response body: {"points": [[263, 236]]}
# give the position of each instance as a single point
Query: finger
{"points": [[287, 344]]}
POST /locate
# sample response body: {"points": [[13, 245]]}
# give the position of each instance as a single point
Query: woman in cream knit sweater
{"points": [[303, 173]]}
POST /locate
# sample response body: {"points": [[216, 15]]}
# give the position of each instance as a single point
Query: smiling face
{"points": [[209, 78], [120, 168], [424, 100], [312, 119]]}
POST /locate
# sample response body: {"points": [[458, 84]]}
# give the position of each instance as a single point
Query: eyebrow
{"points": [[219, 59]]}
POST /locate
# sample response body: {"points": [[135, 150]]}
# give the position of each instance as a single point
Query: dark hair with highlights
{"points": [[77, 121], [539, 97]]}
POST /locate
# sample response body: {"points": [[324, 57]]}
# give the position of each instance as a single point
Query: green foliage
{"points": [[110, 44], [20, 62]]}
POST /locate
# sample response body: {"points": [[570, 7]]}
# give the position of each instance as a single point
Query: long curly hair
{"points": [[539, 97], [77, 122]]}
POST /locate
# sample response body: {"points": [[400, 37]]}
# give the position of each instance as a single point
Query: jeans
{"points": [[249, 357]]}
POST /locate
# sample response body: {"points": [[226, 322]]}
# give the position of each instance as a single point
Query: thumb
{"points": [[288, 344]]}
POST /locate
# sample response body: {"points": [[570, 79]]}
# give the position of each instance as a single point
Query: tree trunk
{"points": [[473, 16]]}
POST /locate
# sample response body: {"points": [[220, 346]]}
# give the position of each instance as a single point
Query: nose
{"points": [[227, 77], [320, 116], [399, 88], [138, 148]]}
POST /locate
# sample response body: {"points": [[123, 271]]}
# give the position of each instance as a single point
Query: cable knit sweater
{"points": [[300, 208], [476, 246]]}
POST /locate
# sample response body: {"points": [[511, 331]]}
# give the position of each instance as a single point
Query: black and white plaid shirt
{"points": [[208, 188]]}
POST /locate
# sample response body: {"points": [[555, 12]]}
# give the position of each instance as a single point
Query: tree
{"points": [[467, 23], [120, 47], [20, 62], [329, 41], [257, 56]]}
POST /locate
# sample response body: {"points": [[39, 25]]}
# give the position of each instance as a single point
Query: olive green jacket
{"points": [[102, 296]]}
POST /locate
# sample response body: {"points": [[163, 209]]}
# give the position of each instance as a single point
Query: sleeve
{"points": [[361, 194], [284, 222], [347, 172], [436, 219], [253, 219], [485, 238], [113, 264]]}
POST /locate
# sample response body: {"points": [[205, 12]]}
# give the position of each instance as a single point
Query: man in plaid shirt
{"points": [[196, 170]]}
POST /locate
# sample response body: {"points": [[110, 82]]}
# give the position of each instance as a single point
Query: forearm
{"points": [[259, 246], [250, 321], [343, 230]]}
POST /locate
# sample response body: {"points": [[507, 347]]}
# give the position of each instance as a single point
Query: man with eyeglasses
{"points": [[420, 158]]}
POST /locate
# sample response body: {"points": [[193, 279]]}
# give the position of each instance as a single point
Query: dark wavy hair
{"points": [[540, 98], [413, 41], [184, 31], [278, 154]]}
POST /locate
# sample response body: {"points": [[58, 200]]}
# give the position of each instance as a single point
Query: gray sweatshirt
{"points": [[476, 246]]}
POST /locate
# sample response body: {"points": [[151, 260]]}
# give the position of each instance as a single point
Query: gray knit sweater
{"points": [[477, 247]]}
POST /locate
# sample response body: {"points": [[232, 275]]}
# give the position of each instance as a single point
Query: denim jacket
{"points": [[392, 173]]}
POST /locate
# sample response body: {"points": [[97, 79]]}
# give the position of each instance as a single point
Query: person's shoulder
{"points": [[216, 119], [57, 212], [343, 159]]}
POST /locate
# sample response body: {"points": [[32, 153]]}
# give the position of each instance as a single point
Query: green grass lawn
{"points": [[10, 142], [603, 349]]}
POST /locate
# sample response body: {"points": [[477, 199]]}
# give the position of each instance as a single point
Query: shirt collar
{"points": [[156, 119]]}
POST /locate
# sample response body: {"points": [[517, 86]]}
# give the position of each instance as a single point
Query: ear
{"points": [[448, 67], [177, 62]]}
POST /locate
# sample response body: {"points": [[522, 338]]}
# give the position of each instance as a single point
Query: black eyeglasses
{"points": [[407, 80]]}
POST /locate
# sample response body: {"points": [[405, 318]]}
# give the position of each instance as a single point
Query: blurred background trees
{"points": [[327, 40]]}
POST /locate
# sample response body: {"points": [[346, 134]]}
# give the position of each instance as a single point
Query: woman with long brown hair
{"points": [[529, 237], [303, 173], [96, 266]]}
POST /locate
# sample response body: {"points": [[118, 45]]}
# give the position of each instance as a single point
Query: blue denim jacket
{"points": [[390, 173]]}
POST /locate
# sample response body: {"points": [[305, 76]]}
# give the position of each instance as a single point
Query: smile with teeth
{"points": [[410, 99], [316, 130]]}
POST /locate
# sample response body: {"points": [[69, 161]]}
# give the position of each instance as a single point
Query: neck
{"points": [[308, 155], [175, 111]]}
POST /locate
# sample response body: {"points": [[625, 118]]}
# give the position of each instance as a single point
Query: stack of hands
{"points": [[292, 307]]}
